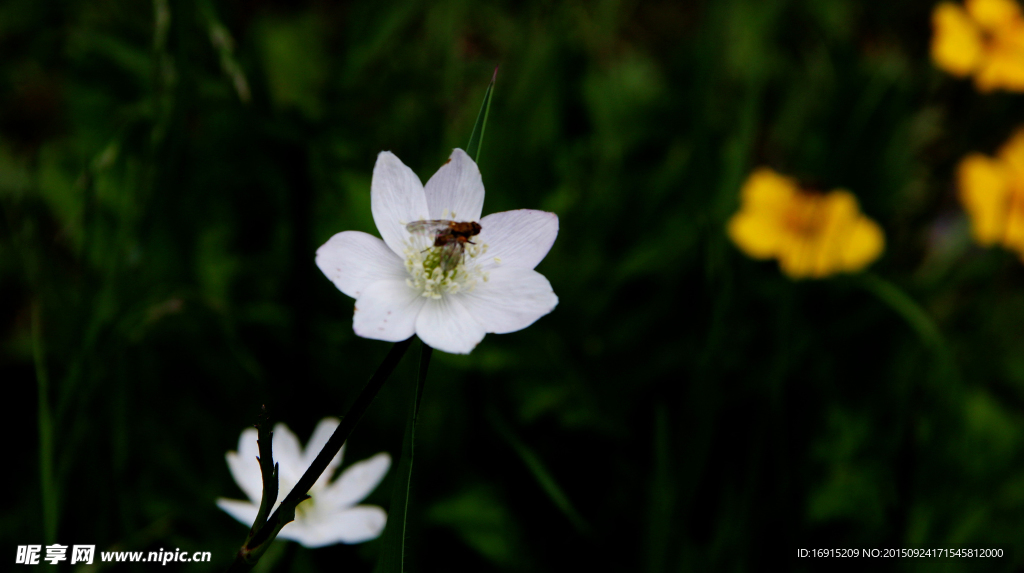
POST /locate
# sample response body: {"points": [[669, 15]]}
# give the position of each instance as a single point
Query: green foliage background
{"points": [[168, 169]]}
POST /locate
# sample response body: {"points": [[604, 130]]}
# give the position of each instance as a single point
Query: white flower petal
{"points": [[243, 511], [387, 310], [446, 325], [355, 483], [246, 472], [355, 525], [456, 191], [288, 456], [396, 199], [519, 239], [245, 467], [354, 260], [323, 431], [328, 516], [511, 300], [302, 530]]}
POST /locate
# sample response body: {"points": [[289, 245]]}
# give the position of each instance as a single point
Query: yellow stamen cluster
{"points": [[434, 274]]}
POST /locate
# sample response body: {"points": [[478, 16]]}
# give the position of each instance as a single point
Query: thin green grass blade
{"points": [[662, 495], [392, 555], [47, 485], [222, 41], [477, 137], [541, 474], [907, 308], [917, 318]]}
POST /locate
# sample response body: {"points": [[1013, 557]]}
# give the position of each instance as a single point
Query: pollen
{"points": [[440, 271]]}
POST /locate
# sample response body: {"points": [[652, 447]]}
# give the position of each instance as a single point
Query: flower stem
{"points": [[49, 493], [250, 553], [917, 318], [421, 379], [907, 308], [392, 555], [268, 471]]}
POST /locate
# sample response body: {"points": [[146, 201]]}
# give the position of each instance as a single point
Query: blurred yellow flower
{"points": [[992, 192], [813, 235], [984, 38]]}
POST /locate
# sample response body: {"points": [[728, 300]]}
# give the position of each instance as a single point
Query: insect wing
{"points": [[451, 255], [431, 227]]}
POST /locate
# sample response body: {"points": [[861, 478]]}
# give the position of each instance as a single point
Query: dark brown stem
{"points": [[250, 553]]}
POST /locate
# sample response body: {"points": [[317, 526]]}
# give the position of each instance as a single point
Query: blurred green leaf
{"points": [[482, 522], [295, 60]]}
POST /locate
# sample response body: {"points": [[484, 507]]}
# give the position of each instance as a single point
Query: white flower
{"points": [[331, 515], [401, 285]]}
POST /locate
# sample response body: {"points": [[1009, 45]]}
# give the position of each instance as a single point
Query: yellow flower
{"points": [[812, 235], [984, 38], [992, 192]]}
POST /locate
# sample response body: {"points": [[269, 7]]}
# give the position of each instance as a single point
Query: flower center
{"points": [[448, 269], [805, 217]]}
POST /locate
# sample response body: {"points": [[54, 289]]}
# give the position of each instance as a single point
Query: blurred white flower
{"points": [[330, 515], [408, 284]]}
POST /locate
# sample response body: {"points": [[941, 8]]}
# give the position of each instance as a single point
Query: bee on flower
{"points": [[983, 39], [812, 235], [439, 269], [991, 190]]}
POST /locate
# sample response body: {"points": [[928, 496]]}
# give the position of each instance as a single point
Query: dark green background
{"points": [[164, 185]]}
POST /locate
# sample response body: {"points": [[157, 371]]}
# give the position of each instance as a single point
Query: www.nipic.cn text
{"points": [[32, 554]]}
